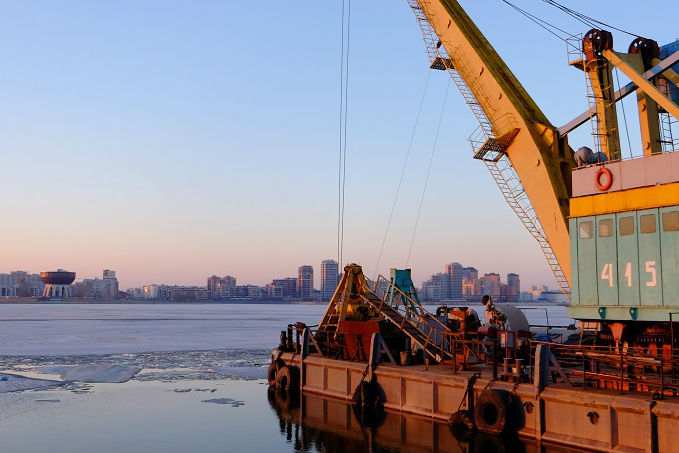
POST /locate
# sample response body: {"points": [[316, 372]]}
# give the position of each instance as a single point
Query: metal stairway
{"points": [[486, 146], [415, 321], [508, 182], [388, 301]]}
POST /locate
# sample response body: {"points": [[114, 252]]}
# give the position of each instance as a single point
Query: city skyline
{"points": [[215, 281], [457, 284]]}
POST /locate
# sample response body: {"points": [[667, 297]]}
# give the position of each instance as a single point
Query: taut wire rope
{"points": [[426, 179], [624, 117], [343, 115], [403, 169]]}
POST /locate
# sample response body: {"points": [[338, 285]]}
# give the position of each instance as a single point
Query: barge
{"points": [[609, 230], [461, 379]]}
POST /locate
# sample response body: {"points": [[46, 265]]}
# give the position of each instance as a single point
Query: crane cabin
{"points": [[624, 213]]}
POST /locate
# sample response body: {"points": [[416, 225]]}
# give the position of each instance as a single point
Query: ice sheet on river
{"points": [[100, 373], [15, 383], [151, 366]]}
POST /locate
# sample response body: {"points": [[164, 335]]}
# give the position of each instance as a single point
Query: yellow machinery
{"points": [[529, 161], [627, 275]]}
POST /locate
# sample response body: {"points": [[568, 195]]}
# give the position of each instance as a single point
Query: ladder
{"points": [[667, 123], [486, 146], [508, 182]]}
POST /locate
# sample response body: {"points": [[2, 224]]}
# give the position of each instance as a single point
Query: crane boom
{"points": [[513, 125]]}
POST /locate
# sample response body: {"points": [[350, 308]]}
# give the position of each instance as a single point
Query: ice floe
{"points": [[229, 401], [242, 364], [100, 373], [16, 383]]}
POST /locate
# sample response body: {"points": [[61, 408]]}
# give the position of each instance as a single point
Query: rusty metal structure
{"points": [[534, 167], [609, 229]]}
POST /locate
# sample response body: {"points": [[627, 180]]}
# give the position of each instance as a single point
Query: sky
{"points": [[174, 140]]}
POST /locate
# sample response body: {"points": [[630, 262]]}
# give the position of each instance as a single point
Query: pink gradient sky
{"points": [[169, 142]]}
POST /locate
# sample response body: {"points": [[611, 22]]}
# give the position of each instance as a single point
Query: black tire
{"points": [[368, 418], [493, 412], [517, 413], [367, 395], [485, 443], [461, 420], [271, 374], [286, 402], [287, 378]]}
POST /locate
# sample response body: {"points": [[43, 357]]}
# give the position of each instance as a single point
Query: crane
{"points": [[609, 228], [529, 161]]}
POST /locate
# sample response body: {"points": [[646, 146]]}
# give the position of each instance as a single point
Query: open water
{"points": [[181, 378]]}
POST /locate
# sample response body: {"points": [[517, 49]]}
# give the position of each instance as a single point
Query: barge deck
{"points": [[591, 419]]}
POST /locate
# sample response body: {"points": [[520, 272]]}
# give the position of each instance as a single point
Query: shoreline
{"points": [[35, 301]]}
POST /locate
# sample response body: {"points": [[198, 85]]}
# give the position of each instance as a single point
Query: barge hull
{"points": [[586, 419]]}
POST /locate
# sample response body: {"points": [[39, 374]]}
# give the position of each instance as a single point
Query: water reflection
{"points": [[313, 423]]}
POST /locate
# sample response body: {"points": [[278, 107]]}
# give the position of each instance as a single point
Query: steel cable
{"points": [[624, 117], [426, 179], [343, 115], [403, 169]]}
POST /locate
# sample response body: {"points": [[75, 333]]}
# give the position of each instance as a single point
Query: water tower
{"points": [[57, 283]]}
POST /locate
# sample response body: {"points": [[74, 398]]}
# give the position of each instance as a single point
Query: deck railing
{"points": [[618, 369]]}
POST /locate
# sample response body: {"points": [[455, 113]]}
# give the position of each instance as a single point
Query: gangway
{"points": [[411, 317], [363, 300]]}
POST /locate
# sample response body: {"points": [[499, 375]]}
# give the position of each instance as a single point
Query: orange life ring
{"points": [[597, 179]]}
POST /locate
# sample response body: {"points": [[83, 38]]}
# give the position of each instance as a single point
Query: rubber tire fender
{"points": [[271, 374], [493, 412], [367, 395], [462, 419], [287, 378]]}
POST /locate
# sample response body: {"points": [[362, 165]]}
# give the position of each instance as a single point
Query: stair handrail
{"points": [[402, 305], [396, 289]]}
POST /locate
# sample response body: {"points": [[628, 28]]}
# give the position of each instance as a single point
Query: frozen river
{"points": [[116, 328], [52, 329], [155, 378]]}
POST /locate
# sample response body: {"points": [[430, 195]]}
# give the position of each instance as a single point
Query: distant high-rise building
{"points": [[513, 287], [437, 288], [470, 273], [503, 291], [305, 282], [330, 278], [471, 288], [274, 290], [21, 284], [98, 288], [490, 284], [182, 293], [228, 286], [214, 286], [109, 284], [290, 287], [220, 287], [282, 288], [456, 272]]}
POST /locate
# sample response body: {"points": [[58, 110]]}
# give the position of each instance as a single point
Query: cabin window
{"points": [[605, 228], [626, 225], [647, 223], [586, 230], [670, 221]]}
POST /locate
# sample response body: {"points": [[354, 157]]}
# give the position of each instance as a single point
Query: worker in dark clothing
{"points": [[493, 316]]}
